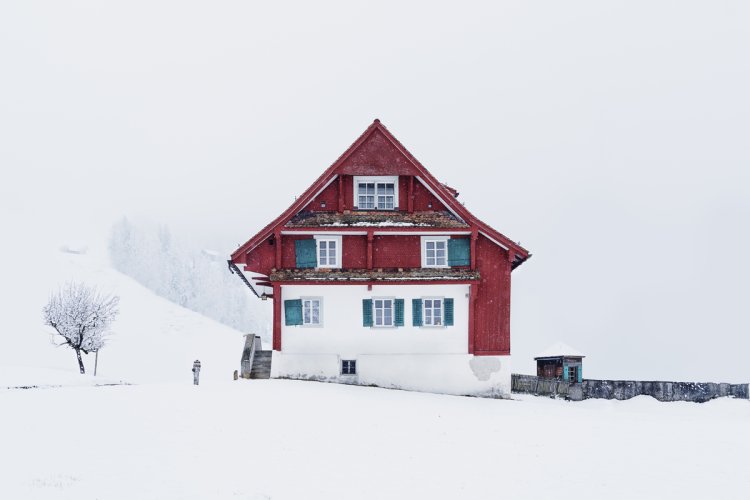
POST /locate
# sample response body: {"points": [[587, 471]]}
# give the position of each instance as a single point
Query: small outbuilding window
{"points": [[348, 367]]}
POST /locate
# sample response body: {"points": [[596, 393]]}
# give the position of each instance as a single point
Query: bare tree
{"points": [[81, 315]]}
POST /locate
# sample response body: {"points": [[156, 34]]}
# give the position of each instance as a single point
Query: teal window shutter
{"points": [[459, 252], [580, 374], [293, 312], [448, 313], [366, 312], [305, 252], [565, 373], [399, 305], [416, 312]]}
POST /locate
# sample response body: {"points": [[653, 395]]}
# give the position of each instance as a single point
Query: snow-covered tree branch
{"points": [[81, 315]]}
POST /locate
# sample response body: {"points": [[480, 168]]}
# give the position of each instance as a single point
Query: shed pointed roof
{"points": [[559, 349], [446, 195]]}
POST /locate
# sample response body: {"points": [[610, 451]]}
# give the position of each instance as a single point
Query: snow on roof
{"points": [[366, 218], [419, 274], [559, 349]]}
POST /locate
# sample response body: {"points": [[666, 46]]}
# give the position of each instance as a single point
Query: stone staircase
{"points": [[261, 365]]}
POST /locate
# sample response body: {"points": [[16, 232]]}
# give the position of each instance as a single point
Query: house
{"points": [[380, 276], [560, 361]]}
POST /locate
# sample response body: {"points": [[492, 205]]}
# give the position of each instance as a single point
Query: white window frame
{"points": [[442, 313], [339, 250], [372, 179], [319, 324], [443, 239], [393, 312]]}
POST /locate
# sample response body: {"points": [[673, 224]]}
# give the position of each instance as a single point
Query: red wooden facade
{"points": [[395, 244]]}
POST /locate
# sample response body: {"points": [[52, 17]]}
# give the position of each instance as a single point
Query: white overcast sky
{"points": [[611, 138]]}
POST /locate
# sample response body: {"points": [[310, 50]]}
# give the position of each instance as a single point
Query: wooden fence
{"points": [[539, 386]]}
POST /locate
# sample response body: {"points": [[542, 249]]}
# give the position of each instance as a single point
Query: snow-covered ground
{"points": [[285, 439]]}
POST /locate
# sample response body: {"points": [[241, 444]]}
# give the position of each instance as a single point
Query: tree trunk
{"points": [[80, 361]]}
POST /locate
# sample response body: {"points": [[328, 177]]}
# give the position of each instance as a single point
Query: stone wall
{"points": [[698, 392]]}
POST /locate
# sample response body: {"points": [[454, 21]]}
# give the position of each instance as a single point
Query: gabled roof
{"points": [[559, 349], [446, 195]]}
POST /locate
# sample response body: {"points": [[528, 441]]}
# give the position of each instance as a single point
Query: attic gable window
{"points": [[376, 193]]}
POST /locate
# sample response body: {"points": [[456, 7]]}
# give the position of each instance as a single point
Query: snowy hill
{"points": [[153, 340]]}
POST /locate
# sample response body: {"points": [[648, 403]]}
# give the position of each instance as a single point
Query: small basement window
{"points": [[348, 367]]}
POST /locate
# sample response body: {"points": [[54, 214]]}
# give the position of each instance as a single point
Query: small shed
{"points": [[560, 361]]}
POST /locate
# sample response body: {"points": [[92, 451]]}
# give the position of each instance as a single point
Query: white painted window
{"points": [[312, 311], [376, 193], [348, 367], [328, 251], [382, 312], [432, 312], [434, 251]]}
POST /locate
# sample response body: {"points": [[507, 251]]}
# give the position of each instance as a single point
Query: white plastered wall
{"points": [[430, 359], [342, 331]]}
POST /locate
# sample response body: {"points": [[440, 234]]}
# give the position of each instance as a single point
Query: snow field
{"points": [[286, 439]]}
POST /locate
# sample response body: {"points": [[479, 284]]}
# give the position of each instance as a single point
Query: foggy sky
{"points": [[609, 138]]}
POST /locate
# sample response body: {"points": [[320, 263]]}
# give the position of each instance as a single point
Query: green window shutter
{"points": [[293, 312], [565, 373], [399, 305], [448, 313], [459, 252], [305, 252], [416, 312], [366, 312], [580, 374]]}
